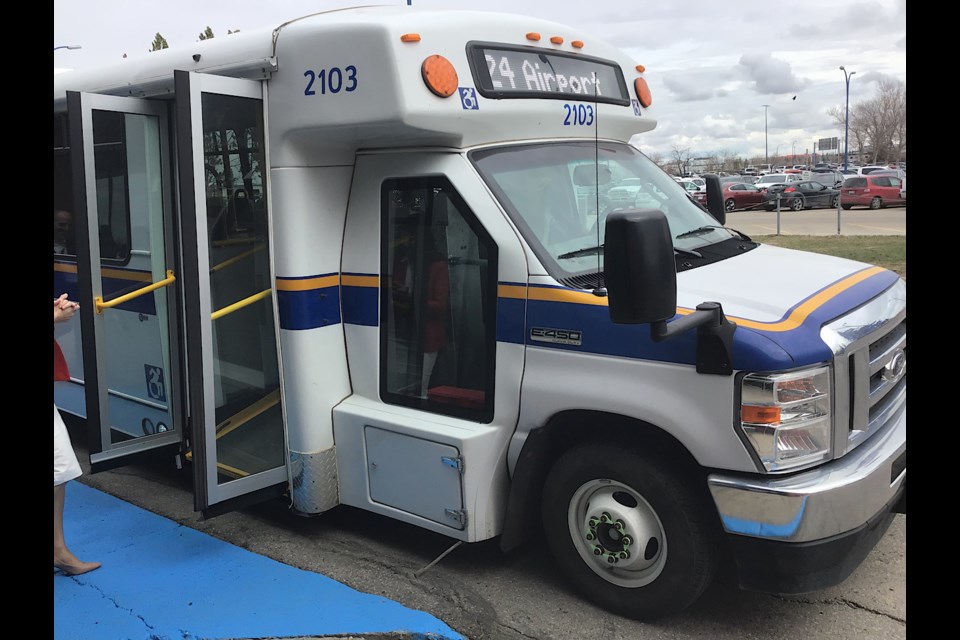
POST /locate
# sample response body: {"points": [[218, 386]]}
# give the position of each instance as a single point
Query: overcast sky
{"points": [[710, 65]]}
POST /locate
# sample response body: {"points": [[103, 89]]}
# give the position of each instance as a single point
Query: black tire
{"points": [[876, 203], [656, 503], [730, 205], [835, 202], [796, 204], [845, 207]]}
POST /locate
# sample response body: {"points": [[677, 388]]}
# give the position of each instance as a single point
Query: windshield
{"points": [[549, 191]]}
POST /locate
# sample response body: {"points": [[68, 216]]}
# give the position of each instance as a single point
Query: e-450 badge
{"points": [[556, 336]]}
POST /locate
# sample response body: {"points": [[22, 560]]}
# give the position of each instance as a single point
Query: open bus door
{"points": [[128, 306], [239, 439]]}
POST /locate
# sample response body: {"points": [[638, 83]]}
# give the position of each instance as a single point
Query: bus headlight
{"points": [[786, 417]]}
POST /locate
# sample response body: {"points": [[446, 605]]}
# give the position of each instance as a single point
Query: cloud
{"points": [[770, 75]]}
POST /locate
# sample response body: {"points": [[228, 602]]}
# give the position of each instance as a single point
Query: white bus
{"points": [[367, 258]]}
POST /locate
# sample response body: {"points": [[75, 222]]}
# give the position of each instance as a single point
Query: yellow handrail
{"points": [[100, 305], [237, 258], [240, 305]]}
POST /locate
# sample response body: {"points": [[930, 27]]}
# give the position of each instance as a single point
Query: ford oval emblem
{"points": [[895, 369]]}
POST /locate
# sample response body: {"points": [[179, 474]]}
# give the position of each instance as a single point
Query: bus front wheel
{"points": [[628, 531]]}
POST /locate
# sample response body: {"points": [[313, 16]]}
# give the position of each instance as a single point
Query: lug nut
{"points": [[590, 536]]}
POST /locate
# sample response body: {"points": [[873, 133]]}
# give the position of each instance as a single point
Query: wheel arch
{"points": [[562, 432]]}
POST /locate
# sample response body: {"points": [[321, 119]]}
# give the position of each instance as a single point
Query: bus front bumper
{"points": [[811, 530]]}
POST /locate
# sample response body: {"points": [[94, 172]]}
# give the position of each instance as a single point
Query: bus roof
{"points": [[355, 76]]}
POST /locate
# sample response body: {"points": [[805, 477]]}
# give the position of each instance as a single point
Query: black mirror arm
{"points": [[714, 337]]}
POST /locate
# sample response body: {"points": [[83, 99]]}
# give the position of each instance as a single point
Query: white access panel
{"points": [[418, 476]]}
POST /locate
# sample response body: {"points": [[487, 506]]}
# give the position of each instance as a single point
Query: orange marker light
{"points": [[641, 68], [760, 415], [643, 92], [556, 40], [533, 35], [410, 37], [577, 44], [439, 76]]}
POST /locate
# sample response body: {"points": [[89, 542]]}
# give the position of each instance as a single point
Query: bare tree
{"points": [[680, 159], [878, 127]]}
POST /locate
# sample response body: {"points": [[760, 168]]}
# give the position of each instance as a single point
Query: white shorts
{"points": [[66, 467]]}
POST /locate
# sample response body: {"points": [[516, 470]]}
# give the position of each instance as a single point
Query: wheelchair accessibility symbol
{"points": [[468, 98], [156, 389]]}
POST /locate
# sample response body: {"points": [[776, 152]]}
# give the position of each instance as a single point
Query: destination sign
{"points": [[509, 72]]}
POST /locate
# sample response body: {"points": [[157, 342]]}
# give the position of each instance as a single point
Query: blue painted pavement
{"points": [[161, 580]]}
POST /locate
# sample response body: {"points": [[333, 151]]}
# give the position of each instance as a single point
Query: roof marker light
{"points": [[410, 37], [556, 39], [439, 76], [577, 44], [533, 35], [641, 68], [643, 92]]}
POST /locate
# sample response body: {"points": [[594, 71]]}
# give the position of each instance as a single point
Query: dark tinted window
{"points": [[438, 301], [854, 183], [881, 181]]}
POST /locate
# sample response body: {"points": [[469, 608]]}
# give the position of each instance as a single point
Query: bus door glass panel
{"points": [[249, 419], [244, 439], [438, 296], [129, 236]]}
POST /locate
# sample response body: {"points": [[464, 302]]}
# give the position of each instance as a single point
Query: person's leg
{"points": [[429, 359], [63, 558]]}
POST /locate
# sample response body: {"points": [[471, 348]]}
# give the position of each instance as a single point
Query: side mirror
{"points": [[715, 198], [640, 271], [640, 276]]}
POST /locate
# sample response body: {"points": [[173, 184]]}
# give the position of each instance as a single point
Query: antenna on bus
{"points": [[599, 291]]}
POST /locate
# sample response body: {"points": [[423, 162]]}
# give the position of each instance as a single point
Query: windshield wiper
{"points": [[711, 227], [699, 230], [586, 251]]}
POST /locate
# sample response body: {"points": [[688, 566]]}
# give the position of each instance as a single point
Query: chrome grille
{"points": [[870, 347]]}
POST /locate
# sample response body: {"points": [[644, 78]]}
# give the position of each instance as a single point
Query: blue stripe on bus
{"points": [[308, 309], [361, 305], [510, 315]]}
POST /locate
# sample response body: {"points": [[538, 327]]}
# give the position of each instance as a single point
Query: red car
{"points": [[871, 191], [738, 196]]}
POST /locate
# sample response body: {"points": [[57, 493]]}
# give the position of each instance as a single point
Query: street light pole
{"points": [[846, 121], [68, 46], [766, 148]]}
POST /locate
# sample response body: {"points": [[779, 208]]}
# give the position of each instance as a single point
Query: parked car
{"points": [[630, 194], [863, 171], [738, 196], [898, 173], [801, 195], [696, 192], [871, 191], [777, 178], [829, 177]]}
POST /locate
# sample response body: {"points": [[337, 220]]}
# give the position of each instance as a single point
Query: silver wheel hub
{"points": [[617, 533]]}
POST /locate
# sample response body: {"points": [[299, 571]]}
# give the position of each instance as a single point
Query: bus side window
{"points": [[438, 292]]}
